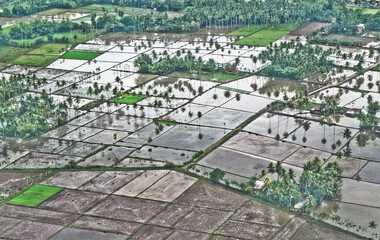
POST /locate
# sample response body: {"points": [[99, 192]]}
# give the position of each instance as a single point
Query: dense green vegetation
{"points": [[368, 118], [298, 64], [81, 55], [50, 49], [35, 60], [316, 184], [29, 116], [35, 195], [129, 99], [186, 65], [8, 53], [195, 14]]}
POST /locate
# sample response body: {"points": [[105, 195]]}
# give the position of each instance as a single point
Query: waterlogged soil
{"points": [[163, 154], [189, 137]]}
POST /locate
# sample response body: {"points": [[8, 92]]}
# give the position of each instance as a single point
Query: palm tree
{"points": [[278, 169], [271, 168]]}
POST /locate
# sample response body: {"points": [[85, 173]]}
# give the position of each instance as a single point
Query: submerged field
{"points": [[111, 148]]}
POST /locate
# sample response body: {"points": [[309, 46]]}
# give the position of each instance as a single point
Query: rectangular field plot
{"points": [[42, 160], [321, 137], [163, 154], [35, 60], [366, 146], [119, 122], [222, 118], [72, 201], [108, 157], [245, 103], [109, 182], [35, 195], [81, 55], [127, 209], [66, 64], [70, 179], [261, 146], [189, 137], [60, 131], [115, 57], [235, 162], [272, 124], [169, 187], [106, 225], [141, 183], [93, 47]]}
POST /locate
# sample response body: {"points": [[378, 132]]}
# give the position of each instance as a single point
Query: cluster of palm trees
{"points": [[295, 60], [30, 116], [316, 184], [18, 84]]}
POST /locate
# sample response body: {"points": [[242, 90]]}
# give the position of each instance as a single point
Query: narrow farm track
{"points": [[264, 110]]}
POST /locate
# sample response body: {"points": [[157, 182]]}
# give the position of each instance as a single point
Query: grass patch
{"points": [[264, 35], [81, 37], [367, 10], [246, 31], [81, 55], [220, 76], [50, 48], [129, 99], [233, 89], [166, 123], [359, 91], [35, 60], [8, 53], [35, 195], [377, 68], [99, 7]]}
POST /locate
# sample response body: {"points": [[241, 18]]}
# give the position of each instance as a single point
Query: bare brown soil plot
{"points": [[39, 215], [169, 187], [203, 194], [109, 182], [255, 212], [186, 235], [8, 180], [72, 201], [363, 40], [72, 233], [102, 224], [148, 232], [314, 232], [32, 230], [6, 223], [204, 220], [70, 179], [170, 215], [246, 230], [128, 209], [309, 28]]}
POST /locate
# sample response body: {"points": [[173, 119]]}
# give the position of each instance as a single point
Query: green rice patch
{"points": [[246, 31], [35, 195], [35, 60], [166, 123], [50, 49], [81, 55], [266, 35], [99, 7], [233, 89], [129, 99]]}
